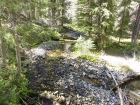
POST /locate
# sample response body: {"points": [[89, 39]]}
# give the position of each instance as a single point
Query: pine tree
{"points": [[57, 11], [124, 16], [136, 28], [2, 45], [96, 18], [85, 15]]}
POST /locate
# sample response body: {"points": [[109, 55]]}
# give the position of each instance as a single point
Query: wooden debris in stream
{"points": [[119, 89]]}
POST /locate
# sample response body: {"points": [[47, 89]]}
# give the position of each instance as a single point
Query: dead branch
{"points": [[24, 102], [119, 89]]}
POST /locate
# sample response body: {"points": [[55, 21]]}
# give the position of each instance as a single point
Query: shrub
{"points": [[12, 86], [83, 48], [84, 45], [33, 34]]}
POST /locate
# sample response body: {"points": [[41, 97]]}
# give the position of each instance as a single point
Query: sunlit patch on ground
{"points": [[122, 62], [122, 39], [55, 53], [38, 51]]}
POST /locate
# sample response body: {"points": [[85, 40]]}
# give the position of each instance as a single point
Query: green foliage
{"points": [[113, 47], [138, 56], [9, 44], [125, 67], [123, 23], [123, 48], [130, 50], [84, 45], [12, 86], [137, 1], [84, 49], [53, 33], [97, 19], [89, 57], [33, 34], [58, 10], [97, 15]]}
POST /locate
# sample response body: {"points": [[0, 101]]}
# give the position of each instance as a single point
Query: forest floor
{"points": [[122, 62]]}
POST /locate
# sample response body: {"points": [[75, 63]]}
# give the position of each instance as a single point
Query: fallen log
{"points": [[126, 81]]}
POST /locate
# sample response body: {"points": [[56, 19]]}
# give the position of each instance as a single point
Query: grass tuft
{"points": [[125, 67]]}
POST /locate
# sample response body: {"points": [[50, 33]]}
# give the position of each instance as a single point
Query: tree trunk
{"points": [[30, 12], [3, 51], [121, 26], [3, 46], [136, 28], [52, 10], [36, 13], [100, 40], [62, 13], [17, 49]]}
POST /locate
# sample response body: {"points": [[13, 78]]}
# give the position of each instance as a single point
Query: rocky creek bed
{"points": [[66, 80]]}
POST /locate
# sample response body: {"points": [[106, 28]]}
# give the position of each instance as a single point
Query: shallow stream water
{"points": [[62, 50]]}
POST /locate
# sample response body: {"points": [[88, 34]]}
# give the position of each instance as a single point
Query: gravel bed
{"points": [[65, 81]]}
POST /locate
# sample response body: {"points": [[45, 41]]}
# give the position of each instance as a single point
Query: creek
{"points": [[60, 78]]}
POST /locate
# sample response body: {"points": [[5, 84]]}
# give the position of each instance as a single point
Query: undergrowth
{"points": [[85, 49], [12, 87], [32, 34]]}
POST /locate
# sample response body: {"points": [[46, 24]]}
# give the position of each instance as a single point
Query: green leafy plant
{"points": [[33, 34], [12, 86], [84, 49], [84, 45], [92, 57]]}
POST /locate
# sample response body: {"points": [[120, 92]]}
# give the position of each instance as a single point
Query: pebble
{"points": [[64, 79]]}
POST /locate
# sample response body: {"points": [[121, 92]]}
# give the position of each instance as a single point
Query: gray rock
{"points": [[91, 76], [71, 33]]}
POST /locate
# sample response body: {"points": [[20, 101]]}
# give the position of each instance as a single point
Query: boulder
{"points": [[71, 33]]}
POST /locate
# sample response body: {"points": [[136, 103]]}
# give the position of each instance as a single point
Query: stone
{"points": [[68, 100], [56, 103], [62, 99], [91, 76], [63, 77], [56, 92]]}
